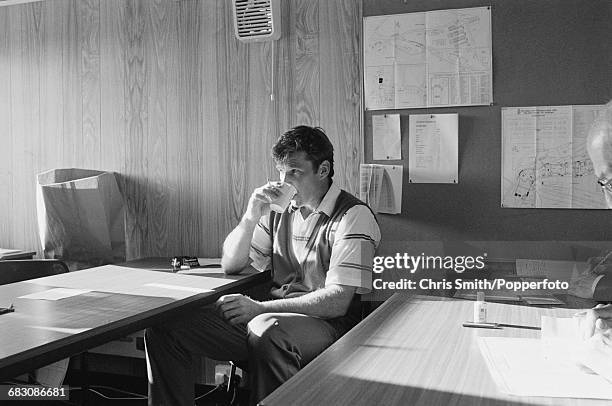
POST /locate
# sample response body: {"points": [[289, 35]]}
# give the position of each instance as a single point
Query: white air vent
{"points": [[256, 20]]}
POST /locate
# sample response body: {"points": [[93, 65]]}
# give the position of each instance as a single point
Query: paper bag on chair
{"points": [[81, 217]]}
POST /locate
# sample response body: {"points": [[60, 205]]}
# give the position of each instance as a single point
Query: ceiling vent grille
{"points": [[256, 20]]}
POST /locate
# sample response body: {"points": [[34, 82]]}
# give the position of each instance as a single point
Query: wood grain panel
{"points": [[340, 86], [173, 146], [227, 219], [7, 214], [25, 117], [157, 63], [136, 116], [51, 101], [189, 136], [210, 178], [260, 131], [305, 63], [88, 12], [113, 124], [237, 136], [162, 93], [71, 83], [283, 108]]}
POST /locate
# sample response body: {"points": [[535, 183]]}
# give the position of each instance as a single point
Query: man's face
{"points": [[605, 175], [602, 168], [299, 172]]}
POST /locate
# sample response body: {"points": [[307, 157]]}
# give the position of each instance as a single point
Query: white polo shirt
{"points": [[353, 239]]}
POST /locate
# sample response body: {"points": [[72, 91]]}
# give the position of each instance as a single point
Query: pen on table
{"points": [[497, 325], [481, 325]]}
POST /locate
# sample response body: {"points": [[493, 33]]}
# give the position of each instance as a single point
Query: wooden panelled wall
{"points": [[161, 92]]}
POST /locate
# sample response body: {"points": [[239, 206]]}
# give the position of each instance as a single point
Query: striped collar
{"points": [[327, 204]]}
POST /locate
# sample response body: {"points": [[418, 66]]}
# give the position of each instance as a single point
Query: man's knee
{"points": [[264, 333]]}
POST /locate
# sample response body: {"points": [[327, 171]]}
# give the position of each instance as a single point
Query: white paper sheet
{"points": [[380, 187], [532, 367], [55, 294], [426, 59], [433, 155], [544, 158], [561, 328], [133, 281], [386, 137], [598, 356], [564, 271], [560, 364], [594, 353]]}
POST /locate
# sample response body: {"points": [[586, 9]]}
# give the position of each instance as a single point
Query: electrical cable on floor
{"points": [[135, 396], [216, 388]]}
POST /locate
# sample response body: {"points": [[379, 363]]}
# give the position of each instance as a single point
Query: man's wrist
{"points": [[267, 306], [248, 222]]}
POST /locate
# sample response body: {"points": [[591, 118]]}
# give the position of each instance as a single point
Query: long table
{"points": [[120, 300], [413, 350]]}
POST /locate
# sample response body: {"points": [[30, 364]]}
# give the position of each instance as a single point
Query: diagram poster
{"points": [[429, 59], [544, 159]]}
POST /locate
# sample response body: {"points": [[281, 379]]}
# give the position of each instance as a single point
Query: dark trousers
{"points": [[276, 346]]}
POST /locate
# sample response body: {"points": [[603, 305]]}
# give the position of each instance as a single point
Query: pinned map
{"points": [[428, 59], [544, 159]]}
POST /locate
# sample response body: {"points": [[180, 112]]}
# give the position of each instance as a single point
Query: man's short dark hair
{"points": [[311, 140]]}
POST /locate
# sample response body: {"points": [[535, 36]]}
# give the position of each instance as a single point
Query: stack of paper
{"points": [[380, 187], [558, 365]]}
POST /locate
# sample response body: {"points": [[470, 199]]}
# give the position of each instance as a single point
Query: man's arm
{"points": [[237, 244], [236, 247], [329, 302], [596, 281]]}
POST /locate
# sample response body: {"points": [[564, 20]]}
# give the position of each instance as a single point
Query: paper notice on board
{"points": [[544, 159], [386, 136], [428, 59], [433, 148], [380, 187]]}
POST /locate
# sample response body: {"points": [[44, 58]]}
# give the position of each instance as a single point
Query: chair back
{"points": [[12, 271]]}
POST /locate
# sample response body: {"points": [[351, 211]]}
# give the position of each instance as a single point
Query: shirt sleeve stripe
{"points": [[358, 237], [263, 227], [260, 252], [355, 266]]}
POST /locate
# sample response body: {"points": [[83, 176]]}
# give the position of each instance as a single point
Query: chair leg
{"points": [[231, 381], [84, 378]]}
